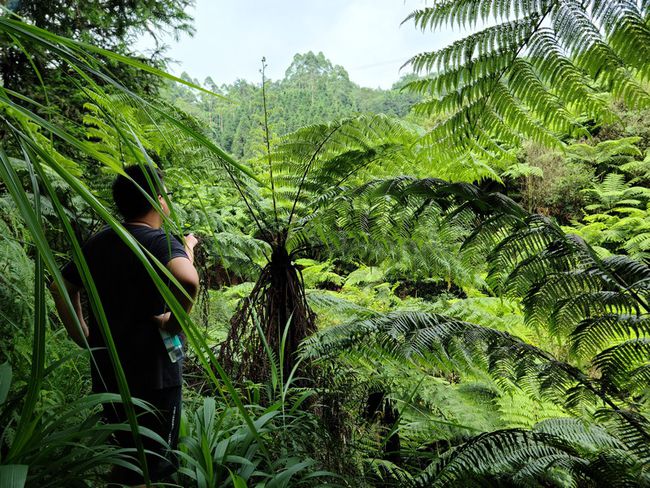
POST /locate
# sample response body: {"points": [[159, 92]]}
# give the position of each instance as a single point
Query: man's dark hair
{"points": [[128, 198]]}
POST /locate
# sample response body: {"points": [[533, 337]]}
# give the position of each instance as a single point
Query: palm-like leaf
{"points": [[601, 305], [511, 454], [530, 72]]}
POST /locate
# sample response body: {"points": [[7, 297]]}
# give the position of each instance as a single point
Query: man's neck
{"points": [[150, 219]]}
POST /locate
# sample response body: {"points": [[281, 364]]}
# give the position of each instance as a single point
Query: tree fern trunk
{"points": [[277, 302]]}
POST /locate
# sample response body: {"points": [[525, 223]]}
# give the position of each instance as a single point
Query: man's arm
{"points": [[183, 270], [67, 318]]}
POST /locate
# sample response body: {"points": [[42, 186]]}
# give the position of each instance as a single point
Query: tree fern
{"points": [[509, 454], [560, 279], [618, 218], [528, 74], [556, 452], [610, 154], [567, 288], [615, 192], [309, 172], [601, 305]]}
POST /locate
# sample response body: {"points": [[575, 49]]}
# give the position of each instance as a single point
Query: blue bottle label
{"points": [[174, 346]]}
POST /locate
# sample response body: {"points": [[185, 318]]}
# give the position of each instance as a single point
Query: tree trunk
{"points": [[277, 302]]}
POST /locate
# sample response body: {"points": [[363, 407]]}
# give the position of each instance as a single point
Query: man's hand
{"points": [[190, 243], [161, 320]]}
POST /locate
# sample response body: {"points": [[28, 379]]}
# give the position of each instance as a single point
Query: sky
{"points": [[363, 36]]}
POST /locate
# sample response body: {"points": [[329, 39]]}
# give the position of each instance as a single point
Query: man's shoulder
{"points": [[108, 237], [161, 243], [103, 234], [150, 235]]}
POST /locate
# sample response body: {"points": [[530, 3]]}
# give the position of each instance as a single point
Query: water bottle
{"points": [[173, 344]]}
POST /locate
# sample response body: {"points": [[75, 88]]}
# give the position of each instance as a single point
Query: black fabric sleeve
{"points": [[71, 273], [167, 247]]}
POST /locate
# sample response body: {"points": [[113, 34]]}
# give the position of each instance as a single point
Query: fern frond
{"points": [[416, 336], [494, 457], [583, 436], [594, 334], [631, 428], [626, 365], [556, 452], [529, 69]]}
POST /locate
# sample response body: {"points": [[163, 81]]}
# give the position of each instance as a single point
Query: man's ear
{"points": [[163, 204]]}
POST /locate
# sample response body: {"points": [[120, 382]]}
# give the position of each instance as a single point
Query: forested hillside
{"points": [[312, 90], [443, 284]]}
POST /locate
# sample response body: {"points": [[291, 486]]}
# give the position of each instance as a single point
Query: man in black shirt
{"points": [[135, 311]]}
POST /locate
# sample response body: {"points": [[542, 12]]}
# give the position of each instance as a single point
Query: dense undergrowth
{"points": [[456, 297]]}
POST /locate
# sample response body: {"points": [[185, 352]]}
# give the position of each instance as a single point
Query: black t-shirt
{"points": [[129, 298]]}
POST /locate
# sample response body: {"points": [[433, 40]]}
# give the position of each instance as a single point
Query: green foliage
{"points": [[549, 182], [112, 27], [614, 194], [312, 91], [462, 341], [566, 288], [319, 275], [557, 452], [523, 169], [71, 434], [567, 291], [16, 292], [606, 155], [314, 165], [619, 218], [218, 449], [25, 67], [530, 70]]}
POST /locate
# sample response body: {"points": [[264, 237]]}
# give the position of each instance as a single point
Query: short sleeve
{"points": [[71, 273], [167, 247]]}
